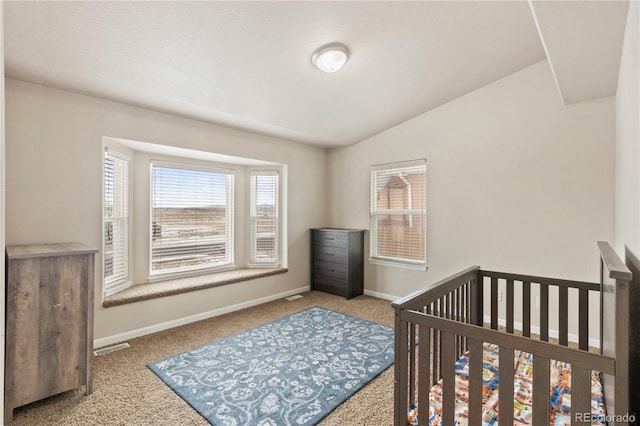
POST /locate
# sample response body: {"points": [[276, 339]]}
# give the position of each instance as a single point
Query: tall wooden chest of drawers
{"points": [[337, 261], [49, 322]]}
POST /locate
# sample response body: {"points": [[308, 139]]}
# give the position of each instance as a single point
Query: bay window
{"points": [[264, 218], [191, 219], [116, 222]]}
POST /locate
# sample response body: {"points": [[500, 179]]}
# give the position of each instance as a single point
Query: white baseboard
{"points": [[536, 330], [381, 295], [117, 338]]}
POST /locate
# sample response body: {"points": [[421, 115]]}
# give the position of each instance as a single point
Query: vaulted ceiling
{"points": [[247, 64]]}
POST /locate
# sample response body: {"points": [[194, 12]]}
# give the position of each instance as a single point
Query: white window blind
{"points": [[116, 223], [264, 217], [191, 218], [398, 213]]}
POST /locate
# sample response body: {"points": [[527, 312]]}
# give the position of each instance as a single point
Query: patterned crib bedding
{"points": [[523, 388]]}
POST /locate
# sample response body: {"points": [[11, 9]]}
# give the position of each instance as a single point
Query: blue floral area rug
{"points": [[293, 371]]}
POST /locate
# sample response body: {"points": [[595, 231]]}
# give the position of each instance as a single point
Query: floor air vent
{"points": [[109, 349], [296, 297]]}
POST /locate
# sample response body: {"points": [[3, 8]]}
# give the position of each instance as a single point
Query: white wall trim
{"points": [[117, 338], [536, 330], [381, 295]]}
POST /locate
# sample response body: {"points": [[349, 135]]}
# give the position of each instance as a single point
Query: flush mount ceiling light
{"points": [[330, 57]]}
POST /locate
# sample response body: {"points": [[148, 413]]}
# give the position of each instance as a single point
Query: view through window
{"points": [[264, 217], [398, 213], [191, 218], [116, 222]]}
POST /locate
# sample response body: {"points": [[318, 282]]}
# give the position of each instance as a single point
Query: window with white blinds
{"points": [[264, 217], [191, 219], [116, 223], [398, 214]]}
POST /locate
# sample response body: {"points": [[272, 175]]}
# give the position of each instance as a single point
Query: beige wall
{"points": [[2, 204], [515, 181], [54, 154], [628, 138]]}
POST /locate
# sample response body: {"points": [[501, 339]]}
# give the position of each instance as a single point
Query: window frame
{"points": [[252, 261], [155, 276], [400, 262], [123, 282]]}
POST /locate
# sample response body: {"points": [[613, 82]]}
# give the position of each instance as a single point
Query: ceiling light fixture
{"points": [[330, 57]]}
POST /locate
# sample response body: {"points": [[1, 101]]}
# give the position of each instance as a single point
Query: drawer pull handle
{"points": [[329, 254], [331, 239]]}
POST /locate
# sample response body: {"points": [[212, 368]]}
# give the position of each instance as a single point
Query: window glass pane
{"points": [[116, 219], [398, 213], [264, 217], [192, 219], [400, 236]]}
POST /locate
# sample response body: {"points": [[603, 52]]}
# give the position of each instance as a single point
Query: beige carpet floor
{"points": [[128, 393]]}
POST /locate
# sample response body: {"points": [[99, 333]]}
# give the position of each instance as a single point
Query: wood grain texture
{"points": [[475, 381], [49, 322], [46, 250], [580, 393], [424, 375], [449, 379], [541, 396], [401, 402], [505, 392]]}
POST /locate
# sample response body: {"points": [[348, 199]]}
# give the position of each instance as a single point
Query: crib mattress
{"points": [[523, 388]]}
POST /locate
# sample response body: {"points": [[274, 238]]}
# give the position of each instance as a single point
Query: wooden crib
{"points": [[437, 326]]}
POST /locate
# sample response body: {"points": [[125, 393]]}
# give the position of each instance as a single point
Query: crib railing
{"points": [[434, 327], [577, 289]]}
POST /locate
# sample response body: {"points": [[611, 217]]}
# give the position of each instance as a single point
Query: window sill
{"points": [[156, 290], [402, 265]]}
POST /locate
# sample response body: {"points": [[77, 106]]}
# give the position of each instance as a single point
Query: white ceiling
{"points": [[583, 41], [247, 64]]}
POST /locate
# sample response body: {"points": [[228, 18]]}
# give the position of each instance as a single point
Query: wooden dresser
{"points": [[337, 261], [49, 322]]}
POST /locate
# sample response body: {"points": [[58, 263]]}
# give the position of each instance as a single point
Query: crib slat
{"points": [[505, 389], [401, 399], [494, 303], [458, 317], [583, 315], [475, 381], [448, 379], [563, 314], [467, 299], [541, 379], [526, 308], [510, 306], [423, 375], [477, 301], [432, 334], [446, 309], [465, 312], [580, 393], [412, 362], [435, 370], [544, 312]]}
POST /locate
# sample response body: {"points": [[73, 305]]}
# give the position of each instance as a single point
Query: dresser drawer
{"points": [[330, 285], [330, 269], [337, 261], [330, 238], [330, 254]]}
